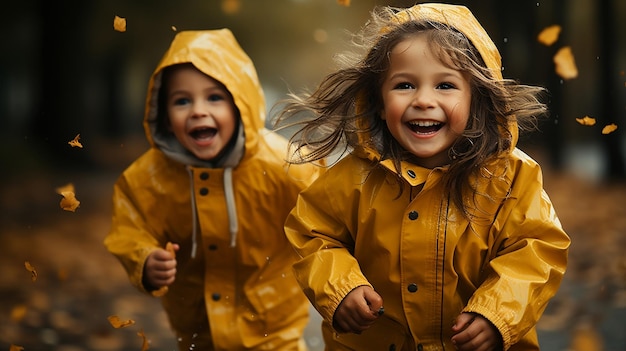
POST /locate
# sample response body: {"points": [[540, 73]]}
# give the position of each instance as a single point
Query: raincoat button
{"points": [[392, 347], [204, 175], [204, 191], [216, 296], [420, 347], [212, 247], [412, 287], [413, 215], [411, 173]]}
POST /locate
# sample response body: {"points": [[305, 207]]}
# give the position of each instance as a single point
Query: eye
{"points": [[216, 97], [446, 86], [403, 86], [181, 101]]}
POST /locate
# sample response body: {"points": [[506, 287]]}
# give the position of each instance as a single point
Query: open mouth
{"points": [[203, 133], [425, 127]]}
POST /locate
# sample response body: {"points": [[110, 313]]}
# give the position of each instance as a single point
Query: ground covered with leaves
{"points": [[78, 284]]}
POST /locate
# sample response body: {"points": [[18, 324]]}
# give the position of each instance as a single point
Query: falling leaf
{"points": [[586, 121], [119, 24], [169, 247], [345, 3], [609, 128], [117, 323], [18, 312], [15, 348], [31, 269], [565, 64], [145, 345], [75, 142], [69, 201], [549, 35], [231, 7]]}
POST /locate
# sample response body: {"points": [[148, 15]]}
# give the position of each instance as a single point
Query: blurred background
{"points": [[64, 71]]}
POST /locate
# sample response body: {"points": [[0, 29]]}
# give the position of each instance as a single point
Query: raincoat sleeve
{"points": [[131, 240], [327, 271], [528, 260]]}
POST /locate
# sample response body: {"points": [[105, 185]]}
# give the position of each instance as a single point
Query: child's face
{"points": [[426, 104], [201, 112]]}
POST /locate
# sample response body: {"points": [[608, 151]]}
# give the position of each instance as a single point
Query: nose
{"points": [[200, 109], [423, 98]]}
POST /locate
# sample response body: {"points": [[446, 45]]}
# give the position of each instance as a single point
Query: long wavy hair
{"points": [[344, 111]]}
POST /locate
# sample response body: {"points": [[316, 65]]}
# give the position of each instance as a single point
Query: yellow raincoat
{"points": [[234, 287], [417, 250]]}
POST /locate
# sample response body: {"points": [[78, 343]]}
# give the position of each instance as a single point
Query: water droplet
{"points": [[265, 334], [506, 40], [537, 4]]}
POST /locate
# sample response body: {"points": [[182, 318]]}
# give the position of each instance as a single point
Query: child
{"points": [[432, 231], [214, 183]]}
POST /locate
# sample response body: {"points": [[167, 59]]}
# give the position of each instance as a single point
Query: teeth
{"points": [[424, 123]]}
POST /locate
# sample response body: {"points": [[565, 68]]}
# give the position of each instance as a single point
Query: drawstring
{"points": [[194, 215], [231, 207], [233, 225]]}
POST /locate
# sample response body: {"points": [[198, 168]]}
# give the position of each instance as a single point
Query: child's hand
{"points": [[358, 310], [160, 268], [474, 332]]}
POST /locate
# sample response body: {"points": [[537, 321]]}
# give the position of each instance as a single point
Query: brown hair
{"points": [[343, 112]]}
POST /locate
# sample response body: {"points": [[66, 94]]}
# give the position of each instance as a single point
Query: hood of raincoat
{"points": [[460, 18], [217, 54]]}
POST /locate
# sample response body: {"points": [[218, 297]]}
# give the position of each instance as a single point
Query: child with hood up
{"points": [[432, 231], [215, 187]]}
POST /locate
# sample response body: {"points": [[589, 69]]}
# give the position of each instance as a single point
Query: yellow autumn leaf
{"points": [[609, 128], [117, 322], [565, 65], [119, 24], [145, 345], [75, 142], [69, 201], [15, 348], [31, 269], [586, 121], [549, 35]]}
